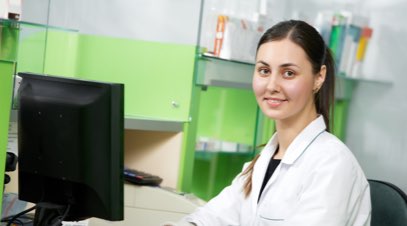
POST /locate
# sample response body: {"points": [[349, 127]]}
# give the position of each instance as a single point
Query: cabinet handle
{"points": [[175, 104]]}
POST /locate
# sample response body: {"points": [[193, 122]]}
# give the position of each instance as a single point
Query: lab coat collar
{"points": [[303, 140], [299, 144]]}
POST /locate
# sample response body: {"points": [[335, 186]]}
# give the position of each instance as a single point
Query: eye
{"points": [[288, 74], [263, 71]]}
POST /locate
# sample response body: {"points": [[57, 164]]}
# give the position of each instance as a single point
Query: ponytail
{"points": [[325, 98], [248, 172]]}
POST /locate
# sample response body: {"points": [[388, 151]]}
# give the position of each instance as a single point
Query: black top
{"points": [[270, 170]]}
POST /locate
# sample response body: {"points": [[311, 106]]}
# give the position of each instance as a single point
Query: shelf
{"points": [[134, 123], [364, 79], [26, 42], [205, 154], [214, 71], [14, 23]]}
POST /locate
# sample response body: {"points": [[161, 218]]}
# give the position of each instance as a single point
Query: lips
{"points": [[274, 102]]}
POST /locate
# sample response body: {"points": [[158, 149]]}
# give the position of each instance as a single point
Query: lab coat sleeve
{"points": [[224, 209], [336, 193]]}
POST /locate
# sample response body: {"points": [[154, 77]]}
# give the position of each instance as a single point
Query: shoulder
{"points": [[328, 150], [332, 158], [328, 145], [330, 140]]}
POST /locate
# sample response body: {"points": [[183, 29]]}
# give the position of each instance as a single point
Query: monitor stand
{"points": [[49, 214]]}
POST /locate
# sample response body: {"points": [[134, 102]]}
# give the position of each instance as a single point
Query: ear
{"points": [[319, 78]]}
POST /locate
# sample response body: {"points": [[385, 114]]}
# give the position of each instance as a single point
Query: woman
{"points": [[304, 175]]}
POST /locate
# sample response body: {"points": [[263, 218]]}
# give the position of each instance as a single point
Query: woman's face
{"points": [[283, 81]]}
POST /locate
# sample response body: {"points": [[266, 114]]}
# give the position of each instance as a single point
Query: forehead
{"points": [[282, 51]]}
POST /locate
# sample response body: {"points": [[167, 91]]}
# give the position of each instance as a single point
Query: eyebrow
{"points": [[289, 65], [262, 62], [282, 65]]}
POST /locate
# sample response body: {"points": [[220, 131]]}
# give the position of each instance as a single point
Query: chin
{"points": [[274, 115]]}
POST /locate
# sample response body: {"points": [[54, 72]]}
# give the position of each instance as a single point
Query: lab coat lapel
{"points": [[260, 168]]}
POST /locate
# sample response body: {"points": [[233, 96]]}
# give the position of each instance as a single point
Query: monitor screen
{"points": [[70, 146]]}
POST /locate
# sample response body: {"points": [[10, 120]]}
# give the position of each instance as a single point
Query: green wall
{"points": [[227, 114], [31, 49], [215, 170], [340, 118], [61, 53]]}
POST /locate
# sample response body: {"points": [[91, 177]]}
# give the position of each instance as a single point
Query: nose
{"points": [[273, 83]]}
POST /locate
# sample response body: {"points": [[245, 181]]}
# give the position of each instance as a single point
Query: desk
{"points": [[152, 206]]}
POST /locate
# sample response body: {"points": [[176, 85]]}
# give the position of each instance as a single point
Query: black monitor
{"points": [[70, 148]]}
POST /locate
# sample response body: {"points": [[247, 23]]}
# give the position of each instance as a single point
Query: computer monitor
{"points": [[70, 148]]}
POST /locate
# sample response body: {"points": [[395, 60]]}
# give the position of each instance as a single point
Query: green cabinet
{"points": [[157, 76], [6, 83]]}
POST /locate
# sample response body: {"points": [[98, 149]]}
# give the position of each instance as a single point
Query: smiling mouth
{"points": [[272, 102]]}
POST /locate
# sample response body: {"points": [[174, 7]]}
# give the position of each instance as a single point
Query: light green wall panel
{"points": [[157, 76], [6, 87], [227, 114], [31, 49], [61, 53], [51, 53]]}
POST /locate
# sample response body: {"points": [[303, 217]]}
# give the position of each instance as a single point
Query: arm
{"points": [[224, 209]]}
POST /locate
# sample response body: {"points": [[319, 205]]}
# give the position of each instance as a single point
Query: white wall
{"points": [[168, 21], [377, 123]]}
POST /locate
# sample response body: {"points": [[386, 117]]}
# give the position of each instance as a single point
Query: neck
{"points": [[288, 130]]}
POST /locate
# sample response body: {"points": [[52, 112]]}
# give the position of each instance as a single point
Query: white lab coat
{"points": [[318, 183]]}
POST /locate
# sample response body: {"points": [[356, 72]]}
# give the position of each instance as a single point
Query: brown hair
{"points": [[308, 38]]}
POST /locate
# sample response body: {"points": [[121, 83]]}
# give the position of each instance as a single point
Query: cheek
{"points": [[259, 86], [298, 90]]}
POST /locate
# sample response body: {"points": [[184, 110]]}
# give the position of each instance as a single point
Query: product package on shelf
{"points": [[236, 38], [323, 24], [347, 35], [361, 51], [216, 145], [337, 36]]}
